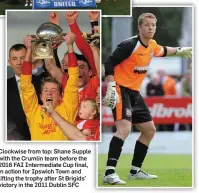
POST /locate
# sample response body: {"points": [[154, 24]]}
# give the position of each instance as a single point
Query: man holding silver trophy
{"points": [[41, 126], [48, 36], [41, 49]]}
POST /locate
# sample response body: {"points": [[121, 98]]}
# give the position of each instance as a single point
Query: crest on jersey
{"points": [[128, 112]]}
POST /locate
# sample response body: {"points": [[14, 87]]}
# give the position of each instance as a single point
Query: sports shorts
{"points": [[131, 106]]}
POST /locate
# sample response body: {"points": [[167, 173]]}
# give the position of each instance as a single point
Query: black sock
{"points": [[115, 149], [140, 152]]}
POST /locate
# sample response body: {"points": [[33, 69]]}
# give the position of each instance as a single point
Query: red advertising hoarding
{"points": [[163, 110]]}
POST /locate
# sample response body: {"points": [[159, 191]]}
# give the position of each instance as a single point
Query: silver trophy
{"points": [[48, 36]]}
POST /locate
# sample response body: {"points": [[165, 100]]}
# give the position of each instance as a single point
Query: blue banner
{"points": [[48, 4]]}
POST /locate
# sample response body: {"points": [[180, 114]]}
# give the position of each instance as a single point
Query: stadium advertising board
{"points": [[163, 111], [46, 4]]}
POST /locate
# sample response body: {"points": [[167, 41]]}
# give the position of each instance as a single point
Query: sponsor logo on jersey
{"points": [[140, 70]]}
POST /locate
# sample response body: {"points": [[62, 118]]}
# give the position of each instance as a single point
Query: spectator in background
{"points": [[15, 113], [186, 84], [154, 88], [168, 83], [178, 86], [143, 89], [28, 3], [103, 72]]}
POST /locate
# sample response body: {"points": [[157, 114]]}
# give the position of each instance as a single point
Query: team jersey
{"points": [[96, 137], [64, 80], [42, 126], [90, 90], [83, 46], [130, 61], [93, 125], [169, 86]]}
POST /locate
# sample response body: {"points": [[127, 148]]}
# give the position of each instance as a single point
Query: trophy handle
{"points": [[33, 36]]}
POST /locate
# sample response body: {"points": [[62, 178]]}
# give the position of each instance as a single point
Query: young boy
{"points": [[88, 113]]}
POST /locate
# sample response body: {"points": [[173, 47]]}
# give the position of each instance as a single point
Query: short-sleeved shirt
{"points": [[92, 124], [130, 61]]}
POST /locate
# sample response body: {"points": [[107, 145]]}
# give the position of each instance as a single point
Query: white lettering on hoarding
{"points": [[64, 4], [158, 110]]}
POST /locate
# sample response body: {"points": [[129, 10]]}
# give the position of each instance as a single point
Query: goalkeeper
{"points": [[125, 70]]}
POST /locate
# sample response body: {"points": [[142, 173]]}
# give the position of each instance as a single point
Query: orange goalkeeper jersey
{"points": [[130, 61]]}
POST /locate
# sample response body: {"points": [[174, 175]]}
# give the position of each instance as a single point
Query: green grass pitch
{"points": [[118, 7], [172, 171]]}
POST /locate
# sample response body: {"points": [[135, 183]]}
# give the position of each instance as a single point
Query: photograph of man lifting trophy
{"points": [[49, 99]]}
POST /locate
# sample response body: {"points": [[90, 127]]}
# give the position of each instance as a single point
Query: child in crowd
{"points": [[89, 117]]}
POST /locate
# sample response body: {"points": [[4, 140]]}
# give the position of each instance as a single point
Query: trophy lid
{"points": [[49, 30]]}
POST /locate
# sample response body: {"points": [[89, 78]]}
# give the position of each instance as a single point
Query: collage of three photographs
{"points": [[85, 75]]}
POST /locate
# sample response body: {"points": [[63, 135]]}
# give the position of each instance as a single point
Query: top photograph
{"points": [[108, 7]]}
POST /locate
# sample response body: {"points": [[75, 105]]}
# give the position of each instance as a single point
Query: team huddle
{"points": [[49, 100]]}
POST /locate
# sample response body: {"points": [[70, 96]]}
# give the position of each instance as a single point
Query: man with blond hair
{"points": [[125, 70], [42, 127]]}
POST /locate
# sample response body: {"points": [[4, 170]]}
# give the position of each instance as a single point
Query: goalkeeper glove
{"points": [[184, 51], [111, 97]]}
